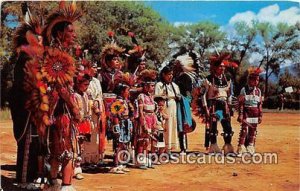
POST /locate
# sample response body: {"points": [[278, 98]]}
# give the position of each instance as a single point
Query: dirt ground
{"points": [[279, 133]]}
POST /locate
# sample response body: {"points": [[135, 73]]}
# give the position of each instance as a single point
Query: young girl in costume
{"points": [[147, 118]]}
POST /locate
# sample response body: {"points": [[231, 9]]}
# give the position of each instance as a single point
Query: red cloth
{"points": [[84, 127]]}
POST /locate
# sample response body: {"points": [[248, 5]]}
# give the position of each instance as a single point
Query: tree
{"points": [[206, 35], [278, 45], [151, 31], [287, 79], [241, 45]]}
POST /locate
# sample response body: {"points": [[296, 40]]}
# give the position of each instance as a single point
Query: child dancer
{"points": [[147, 118], [84, 126], [250, 112], [122, 115]]}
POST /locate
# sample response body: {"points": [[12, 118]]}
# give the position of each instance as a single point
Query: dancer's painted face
{"points": [[142, 66], [126, 93]]}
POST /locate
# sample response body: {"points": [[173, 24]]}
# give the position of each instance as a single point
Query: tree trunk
{"points": [[266, 81]]}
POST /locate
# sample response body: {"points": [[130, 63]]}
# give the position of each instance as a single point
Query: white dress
{"points": [[171, 137], [90, 151]]}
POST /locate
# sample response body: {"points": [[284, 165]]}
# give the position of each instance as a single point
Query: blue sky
{"points": [[226, 13], [219, 12], [223, 12]]}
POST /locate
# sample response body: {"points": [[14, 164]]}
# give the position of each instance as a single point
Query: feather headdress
{"points": [[147, 76], [223, 58], [110, 50], [137, 53], [65, 13], [254, 71], [185, 63], [28, 32]]}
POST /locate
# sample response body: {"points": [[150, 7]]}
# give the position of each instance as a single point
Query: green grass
{"points": [[5, 114]]}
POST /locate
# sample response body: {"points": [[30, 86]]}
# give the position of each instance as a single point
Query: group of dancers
{"points": [[65, 107]]}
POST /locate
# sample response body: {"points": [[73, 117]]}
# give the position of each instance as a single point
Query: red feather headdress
{"points": [[224, 58]]}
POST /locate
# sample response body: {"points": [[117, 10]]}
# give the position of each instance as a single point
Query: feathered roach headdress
{"points": [[110, 50], [223, 58], [254, 72], [148, 76], [65, 13]]}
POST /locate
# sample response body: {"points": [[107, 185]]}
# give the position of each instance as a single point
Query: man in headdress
{"points": [[185, 77], [141, 66], [215, 101], [47, 81], [136, 62], [250, 112], [25, 131], [59, 34]]}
